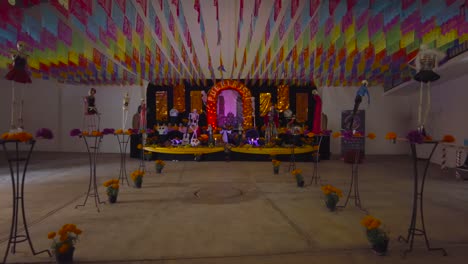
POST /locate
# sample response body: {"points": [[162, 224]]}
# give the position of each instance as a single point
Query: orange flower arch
{"points": [[211, 105]]}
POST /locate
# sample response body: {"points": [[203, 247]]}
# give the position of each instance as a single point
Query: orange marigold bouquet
{"points": [[376, 236], [65, 239]]}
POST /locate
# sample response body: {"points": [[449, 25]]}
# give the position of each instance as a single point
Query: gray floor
{"points": [[234, 212]]}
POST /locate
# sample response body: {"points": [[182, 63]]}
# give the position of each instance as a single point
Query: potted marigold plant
{"points": [[332, 196], [137, 177], [63, 245], [299, 179], [276, 165], [112, 189], [377, 237], [159, 165]]}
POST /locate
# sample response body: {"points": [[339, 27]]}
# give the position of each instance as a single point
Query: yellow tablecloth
{"points": [[272, 151], [184, 150]]}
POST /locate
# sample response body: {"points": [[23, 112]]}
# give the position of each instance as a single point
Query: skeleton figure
{"points": [[193, 122], [19, 74], [126, 102], [91, 102], [271, 121], [363, 91], [425, 63]]}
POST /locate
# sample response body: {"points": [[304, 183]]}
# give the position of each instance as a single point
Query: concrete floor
{"points": [[192, 213]]}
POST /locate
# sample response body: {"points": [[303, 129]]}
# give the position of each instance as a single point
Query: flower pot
{"points": [[275, 170], [380, 248], [65, 258], [138, 182], [299, 180], [112, 198], [159, 169], [331, 204]]}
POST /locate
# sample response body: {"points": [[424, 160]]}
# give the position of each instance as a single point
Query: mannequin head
{"points": [[20, 46], [92, 92]]}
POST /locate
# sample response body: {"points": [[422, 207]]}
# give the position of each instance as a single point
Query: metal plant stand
{"points": [[353, 192], [418, 199], [316, 153], [93, 151], [123, 143], [17, 182]]}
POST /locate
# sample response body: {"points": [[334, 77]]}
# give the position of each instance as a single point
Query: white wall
{"points": [[59, 107], [448, 115], [383, 115]]}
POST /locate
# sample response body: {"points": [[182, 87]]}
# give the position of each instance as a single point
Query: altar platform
{"points": [[243, 153]]}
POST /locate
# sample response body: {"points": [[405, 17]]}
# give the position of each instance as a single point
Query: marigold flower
{"points": [[448, 139], [63, 237], [78, 231], [85, 133], [51, 235], [427, 138], [391, 135], [336, 135], [371, 135], [115, 186], [139, 146], [310, 134], [64, 248], [118, 132]]}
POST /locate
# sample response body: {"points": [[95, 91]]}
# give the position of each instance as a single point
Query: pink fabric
{"points": [[143, 116], [317, 124]]}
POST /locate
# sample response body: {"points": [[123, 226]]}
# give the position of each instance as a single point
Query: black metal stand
{"points": [[14, 162], [353, 193], [418, 197], [93, 151], [316, 154], [123, 143]]}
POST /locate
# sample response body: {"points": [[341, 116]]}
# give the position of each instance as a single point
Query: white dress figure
{"points": [[425, 63], [125, 104], [225, 133]]}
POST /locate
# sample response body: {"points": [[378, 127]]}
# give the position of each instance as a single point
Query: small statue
{"points": [[174, 116], [271, 121], [363, 91], [91, 102], [143, 114], [126, 102], [210, 134]]}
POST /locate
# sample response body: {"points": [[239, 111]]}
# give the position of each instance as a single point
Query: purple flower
{"points": [[75, 132], [44, 133], [107, 131], [135, 131], [149, 131], [415, 136]]}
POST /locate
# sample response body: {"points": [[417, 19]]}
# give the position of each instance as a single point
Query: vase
{"points": [[381, 248], [138, 182], [159, 169], [112, 198], [65, 258], [299, 180], [331, 204], [275, 170]]}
